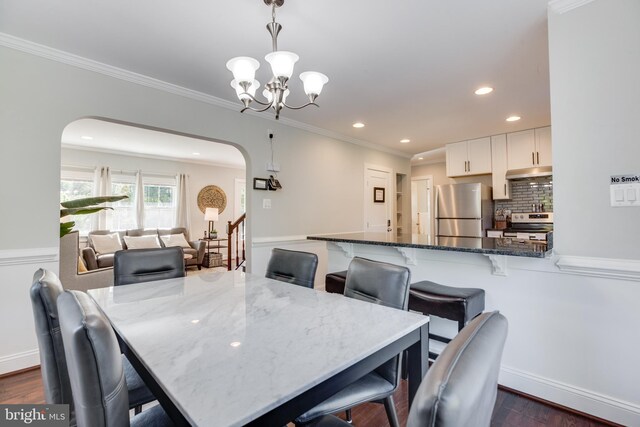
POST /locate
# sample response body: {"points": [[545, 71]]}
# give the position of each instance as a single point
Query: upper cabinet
{"points": [[469, 157], [501, 188], [529, 148]]}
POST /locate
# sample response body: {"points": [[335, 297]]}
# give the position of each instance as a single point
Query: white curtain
{"points": [[139, 200], [182, 206], [102, 187]]}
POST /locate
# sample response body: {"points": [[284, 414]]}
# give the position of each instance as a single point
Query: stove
{"points": [[530, 225]]}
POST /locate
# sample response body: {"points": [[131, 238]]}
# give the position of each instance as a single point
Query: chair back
{"points": [[44, 292], [95, 365], [380, 283], [294, 267], [460, 387], [147, 265]]}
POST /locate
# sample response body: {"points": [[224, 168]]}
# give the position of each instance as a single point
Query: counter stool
{"points": [[458, 304], [334, 282]]}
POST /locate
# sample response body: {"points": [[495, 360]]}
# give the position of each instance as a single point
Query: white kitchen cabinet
{"points": [[529, 148], [543, 146], [469, 157], [501, 187]]}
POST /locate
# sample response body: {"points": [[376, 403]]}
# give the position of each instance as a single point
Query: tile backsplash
{"points": [[525, 192]]}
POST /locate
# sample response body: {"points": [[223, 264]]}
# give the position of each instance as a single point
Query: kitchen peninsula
{"points": [[485, 246]]}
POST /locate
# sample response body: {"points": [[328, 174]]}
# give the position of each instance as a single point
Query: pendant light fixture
{"points": [[282, 63]]}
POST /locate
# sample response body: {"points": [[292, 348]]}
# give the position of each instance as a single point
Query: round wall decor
{"points": [[212, 196]]}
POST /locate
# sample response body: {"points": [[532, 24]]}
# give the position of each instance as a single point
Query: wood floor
{"points": [[510, 410]]}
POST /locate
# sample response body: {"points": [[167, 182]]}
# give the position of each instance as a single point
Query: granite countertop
{"points": [[485, 245]]}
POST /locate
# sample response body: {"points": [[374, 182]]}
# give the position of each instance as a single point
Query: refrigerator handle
{"points": [[436, 215]]}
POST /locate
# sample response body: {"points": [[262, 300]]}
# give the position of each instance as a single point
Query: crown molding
{"points": [[563, 6], [43, 51]]}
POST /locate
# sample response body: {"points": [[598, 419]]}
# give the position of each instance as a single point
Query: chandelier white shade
{"points": [[282, 64]]}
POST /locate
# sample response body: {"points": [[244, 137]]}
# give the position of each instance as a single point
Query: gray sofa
{"points": [[94, 260]]}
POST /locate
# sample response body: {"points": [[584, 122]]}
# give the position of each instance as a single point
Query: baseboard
{"points": [[19, 361], [582, 400]]}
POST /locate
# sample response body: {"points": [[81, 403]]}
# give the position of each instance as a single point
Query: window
{"points": [[160, 199], [123, 215], [159, 203], [76, 184]]}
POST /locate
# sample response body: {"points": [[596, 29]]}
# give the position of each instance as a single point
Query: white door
{"points": [[421, 205], [378, 200]]}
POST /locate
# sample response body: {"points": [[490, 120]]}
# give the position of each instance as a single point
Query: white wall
{"points": [[322, 177], [594, 67], [200, 175]]}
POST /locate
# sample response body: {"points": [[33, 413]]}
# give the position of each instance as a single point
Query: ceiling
{"points": [[91, 134], [406, 69]]}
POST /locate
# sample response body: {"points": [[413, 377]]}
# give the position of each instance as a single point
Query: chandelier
{"points": [[282, 62]]}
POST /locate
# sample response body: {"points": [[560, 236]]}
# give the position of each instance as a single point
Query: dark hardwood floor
{"points": [[511, 409]]}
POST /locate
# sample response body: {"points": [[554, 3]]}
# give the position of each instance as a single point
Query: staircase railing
{"points": [[239, 238]]}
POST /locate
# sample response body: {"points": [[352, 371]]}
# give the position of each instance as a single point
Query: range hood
{"points": [[529, 172]]}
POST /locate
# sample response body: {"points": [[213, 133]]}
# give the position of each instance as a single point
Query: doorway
{"points": [[378, 203], [421, 217]]}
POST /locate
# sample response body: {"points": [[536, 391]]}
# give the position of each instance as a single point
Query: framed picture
{"points": [[260, 184], [378, 194]]}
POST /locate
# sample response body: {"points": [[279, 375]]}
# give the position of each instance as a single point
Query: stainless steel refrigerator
{"points": [[463, 211]]}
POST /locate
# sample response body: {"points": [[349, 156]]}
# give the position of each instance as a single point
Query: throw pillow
{"points": [[81, 267], [107, 243], [142, 242], [171, 240]]}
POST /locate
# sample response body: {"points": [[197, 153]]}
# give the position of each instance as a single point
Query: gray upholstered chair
{"points": [[379, 283], [95, 367], [294, 267], [45, 290], [461, 386], [146, 265]]}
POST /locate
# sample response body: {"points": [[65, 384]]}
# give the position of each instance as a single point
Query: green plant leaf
{"points": [[82, 211], [66, 227], [91, 201]]}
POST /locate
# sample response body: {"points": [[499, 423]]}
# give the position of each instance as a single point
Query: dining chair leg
{"points": [[348, 416], [391, 412]]}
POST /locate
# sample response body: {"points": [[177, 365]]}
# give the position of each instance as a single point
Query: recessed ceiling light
{"points": [[195, 321], [196, 154], [88, 138], [358, 125], [513, 118], [484, 90], [405, 141], [235, 344], [420, 158]]}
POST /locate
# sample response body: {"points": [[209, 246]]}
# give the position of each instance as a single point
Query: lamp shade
{"points": [[313, 82], [240, 92], [243, 68], [282, 63], [267, 94], [211, 214]]}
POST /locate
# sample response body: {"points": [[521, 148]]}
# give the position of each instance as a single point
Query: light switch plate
{"points": [[625, 190], [266, 203]]}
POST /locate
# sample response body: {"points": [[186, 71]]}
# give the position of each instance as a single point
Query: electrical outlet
{"points": [[266, 203]]}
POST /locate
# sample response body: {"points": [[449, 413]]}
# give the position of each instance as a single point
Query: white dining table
{"points": [[232, 349]]}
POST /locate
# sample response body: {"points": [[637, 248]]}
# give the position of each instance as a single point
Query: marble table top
{"points": [[229, 347]]}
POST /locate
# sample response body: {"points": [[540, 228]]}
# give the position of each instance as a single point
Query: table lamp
{"points": [[211, 215]]}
